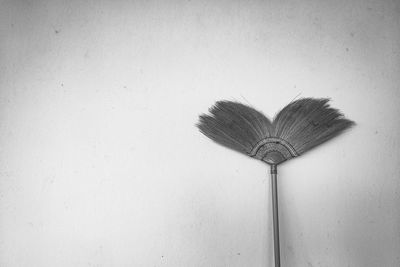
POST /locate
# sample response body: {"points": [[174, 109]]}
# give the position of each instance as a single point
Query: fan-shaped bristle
{"points": [[298, 127], [235, 125], [308, 122]]}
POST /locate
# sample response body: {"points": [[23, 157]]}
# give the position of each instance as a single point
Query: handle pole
{"points": [[275, 215]]}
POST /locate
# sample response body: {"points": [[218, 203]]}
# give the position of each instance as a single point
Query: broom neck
{"points": [[274, 169]]}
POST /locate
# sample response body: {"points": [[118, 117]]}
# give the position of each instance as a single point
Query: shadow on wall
{"points": [[367, 231], [232, 236], [363, 236]]}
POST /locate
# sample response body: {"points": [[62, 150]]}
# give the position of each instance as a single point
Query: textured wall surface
{"points": [[101, 165]]}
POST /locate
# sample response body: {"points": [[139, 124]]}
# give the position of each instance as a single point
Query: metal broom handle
{"points": [[275, 215]]}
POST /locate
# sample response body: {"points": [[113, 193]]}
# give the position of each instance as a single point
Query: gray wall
{"points": [[100, 162]]}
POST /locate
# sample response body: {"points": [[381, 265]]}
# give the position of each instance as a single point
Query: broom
{"points": [[297, 128]]}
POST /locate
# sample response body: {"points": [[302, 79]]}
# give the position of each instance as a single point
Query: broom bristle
{"points": [[308, 122], [235, 125], [297, 128]]}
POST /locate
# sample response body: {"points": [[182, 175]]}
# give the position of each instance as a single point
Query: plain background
{"points": [[101, 165]]}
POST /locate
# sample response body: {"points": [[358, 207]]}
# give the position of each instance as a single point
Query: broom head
{"points": [[297, 128]]}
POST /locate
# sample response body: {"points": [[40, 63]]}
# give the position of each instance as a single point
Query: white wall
{"points": [[101, 165]]}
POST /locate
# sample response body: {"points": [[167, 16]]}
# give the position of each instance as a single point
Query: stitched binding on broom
{"points": [[264, 141], [269, 152]]}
